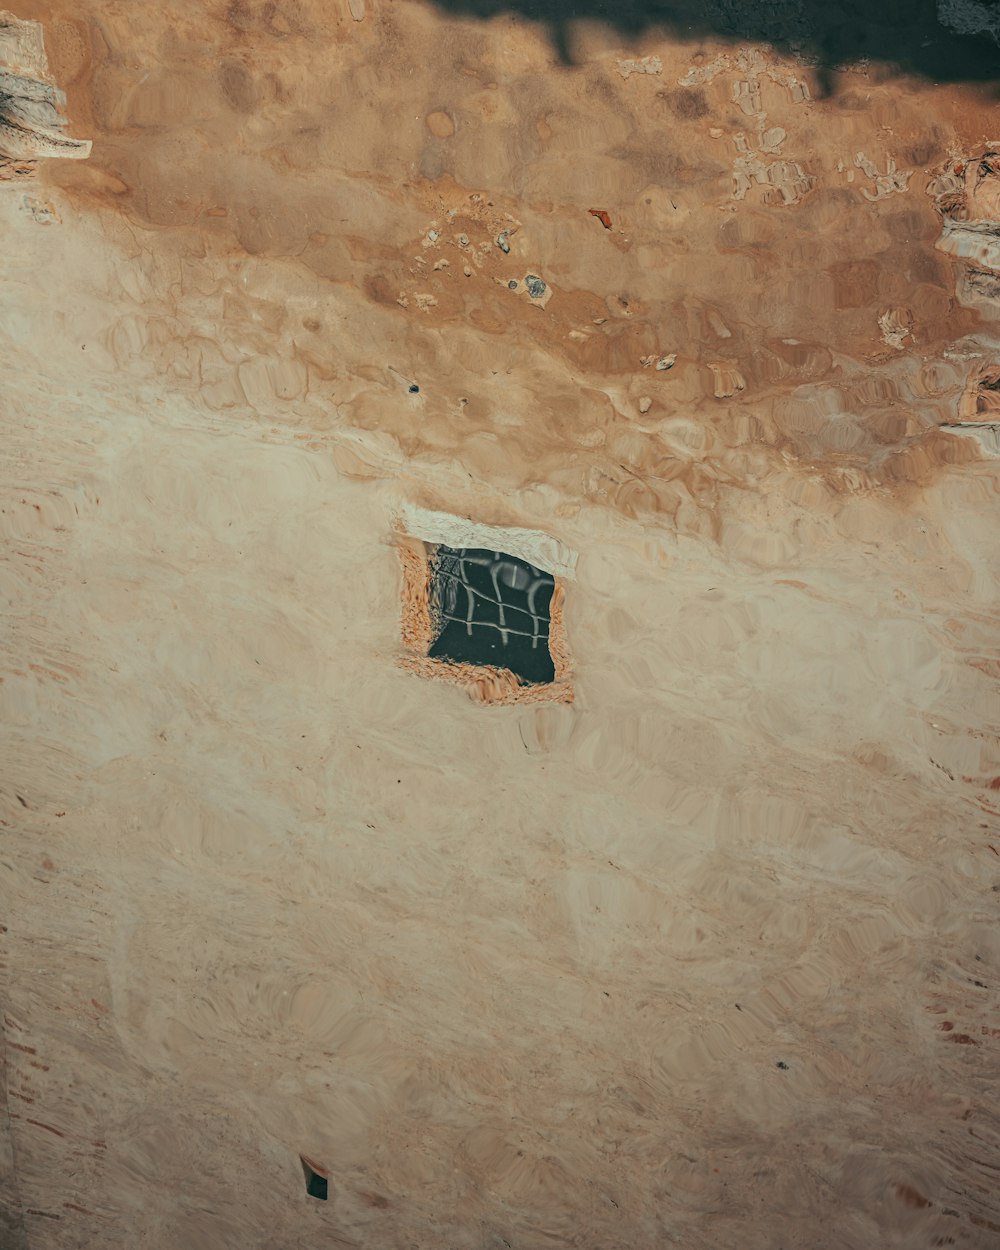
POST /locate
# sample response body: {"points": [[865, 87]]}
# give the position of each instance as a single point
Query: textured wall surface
{"points": [[707, 958]]}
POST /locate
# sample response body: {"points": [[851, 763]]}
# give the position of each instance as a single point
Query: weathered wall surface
{"points": [[708, 958]]}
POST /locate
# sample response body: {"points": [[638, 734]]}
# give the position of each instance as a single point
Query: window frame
{"points": [[418, 535]]}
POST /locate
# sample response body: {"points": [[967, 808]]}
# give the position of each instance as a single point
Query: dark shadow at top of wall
{"points": [[907, 34]]}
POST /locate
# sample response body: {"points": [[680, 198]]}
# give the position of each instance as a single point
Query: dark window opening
{"points": [[316, 1182], [491, 608]]}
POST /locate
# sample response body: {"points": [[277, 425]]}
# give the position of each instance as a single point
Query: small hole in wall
{"points": [[316, 1181], [489, 608], [981, 401]]}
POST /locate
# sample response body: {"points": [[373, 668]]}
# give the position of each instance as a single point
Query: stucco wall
{"points": [[706, 958]]}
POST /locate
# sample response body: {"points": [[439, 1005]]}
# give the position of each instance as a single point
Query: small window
{"points": [[485, 612], [316, 1181], [489, 608]]}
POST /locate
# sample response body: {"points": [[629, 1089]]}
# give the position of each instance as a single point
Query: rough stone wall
{"points": [[708, 957]]}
